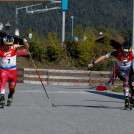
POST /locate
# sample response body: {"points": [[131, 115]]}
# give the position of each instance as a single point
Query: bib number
{"points": [[8, 61]]}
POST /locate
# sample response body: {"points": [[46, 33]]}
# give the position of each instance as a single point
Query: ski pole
{"points": [[39, 77], [92, 61]]}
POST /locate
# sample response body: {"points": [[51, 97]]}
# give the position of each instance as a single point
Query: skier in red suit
{"points": [[8, 67]]}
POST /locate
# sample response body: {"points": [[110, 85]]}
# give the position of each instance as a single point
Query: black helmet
{"points": [[126, 46], [8, 40]]}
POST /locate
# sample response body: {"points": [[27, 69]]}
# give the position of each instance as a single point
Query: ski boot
{"points": [[127, 103], [2, 100], [10, 99]]}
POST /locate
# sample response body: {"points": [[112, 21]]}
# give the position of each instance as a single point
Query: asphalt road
{"points": [[77, 110]]}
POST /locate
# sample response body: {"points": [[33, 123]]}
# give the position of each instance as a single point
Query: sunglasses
{"points": [[126, 53]]}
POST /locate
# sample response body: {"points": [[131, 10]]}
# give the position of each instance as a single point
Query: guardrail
{"points": [[56, 77], [20, 75], [64, 77]]}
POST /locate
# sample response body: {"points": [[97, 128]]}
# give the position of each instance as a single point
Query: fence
{"points": [[20, 75], [64, 77]]}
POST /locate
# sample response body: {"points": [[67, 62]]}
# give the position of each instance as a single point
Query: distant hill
{"points": [[116, 14]]}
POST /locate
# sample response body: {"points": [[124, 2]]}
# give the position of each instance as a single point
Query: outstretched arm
{"points": [[20, 47], [100, 59]]}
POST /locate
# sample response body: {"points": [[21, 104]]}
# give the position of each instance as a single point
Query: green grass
{"points": [[115, 88], [118, 89]]}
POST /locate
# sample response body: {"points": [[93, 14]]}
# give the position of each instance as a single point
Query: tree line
{"points": [[116, 14]]}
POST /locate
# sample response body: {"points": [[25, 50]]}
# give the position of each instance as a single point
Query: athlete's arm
{"points": [[100, 59], [20, 47], [114, 53]]}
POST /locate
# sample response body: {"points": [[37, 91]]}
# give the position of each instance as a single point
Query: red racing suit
{"points": [[8, 68]]}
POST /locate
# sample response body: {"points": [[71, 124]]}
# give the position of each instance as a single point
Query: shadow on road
{"points": [[108, 94], [88, 106]]}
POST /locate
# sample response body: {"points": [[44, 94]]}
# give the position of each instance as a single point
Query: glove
{"points": [[90, 65], [26, 45]]}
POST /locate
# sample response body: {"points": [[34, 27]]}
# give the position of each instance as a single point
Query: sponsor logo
{"points": [[3, 74], [12, 83], [7, 53]]}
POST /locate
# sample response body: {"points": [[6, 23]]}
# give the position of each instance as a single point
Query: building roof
{"points": [[114, 43]]}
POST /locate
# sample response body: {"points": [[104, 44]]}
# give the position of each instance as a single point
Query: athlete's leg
{"points": [[12, 80], [124, 76], [12, 84], [3, 77]]}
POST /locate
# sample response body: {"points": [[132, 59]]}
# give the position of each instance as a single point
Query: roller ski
{"points": [[128, 105], [10, 99], [2, 100]]}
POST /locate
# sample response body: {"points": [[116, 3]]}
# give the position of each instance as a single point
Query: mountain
{"points": [[116, 14]]}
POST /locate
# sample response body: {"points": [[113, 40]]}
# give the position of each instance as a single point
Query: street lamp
{"points": [[72, 17]]}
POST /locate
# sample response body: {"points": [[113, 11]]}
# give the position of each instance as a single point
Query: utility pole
{"points": [[64, 8]]}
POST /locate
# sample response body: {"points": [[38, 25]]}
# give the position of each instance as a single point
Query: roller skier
{"points": [[8, 67], [124, 57]]}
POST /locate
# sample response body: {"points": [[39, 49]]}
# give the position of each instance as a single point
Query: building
{"points": [[113, 42]]}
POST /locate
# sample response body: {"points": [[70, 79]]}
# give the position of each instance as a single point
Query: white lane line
{"points": [[38, 91]]}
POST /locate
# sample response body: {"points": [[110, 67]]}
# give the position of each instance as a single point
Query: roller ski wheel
{"points": [[128, 107], [131, 107], [2, 103]]}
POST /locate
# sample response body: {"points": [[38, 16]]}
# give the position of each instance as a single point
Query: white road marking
{"points": [[39, 91]]}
